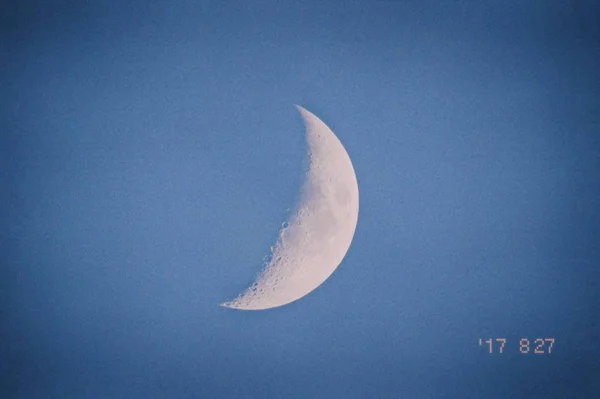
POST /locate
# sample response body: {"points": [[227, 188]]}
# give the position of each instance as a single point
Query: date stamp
{"points": [[539, 346]]}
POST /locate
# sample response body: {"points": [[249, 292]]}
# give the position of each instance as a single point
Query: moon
{"points": [[318, 234]]}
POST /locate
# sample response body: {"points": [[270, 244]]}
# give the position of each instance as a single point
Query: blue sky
{"points": [[151, 153]]}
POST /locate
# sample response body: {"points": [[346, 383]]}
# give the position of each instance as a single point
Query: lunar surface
{"points": [[316, 237]]}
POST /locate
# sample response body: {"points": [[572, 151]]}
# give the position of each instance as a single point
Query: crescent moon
{"points": [[318, 234]]}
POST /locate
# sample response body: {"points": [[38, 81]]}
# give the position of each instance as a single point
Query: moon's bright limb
{"points": [[312, 244]]}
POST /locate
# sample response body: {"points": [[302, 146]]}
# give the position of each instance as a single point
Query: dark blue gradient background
{"points": [[150, 151]]}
